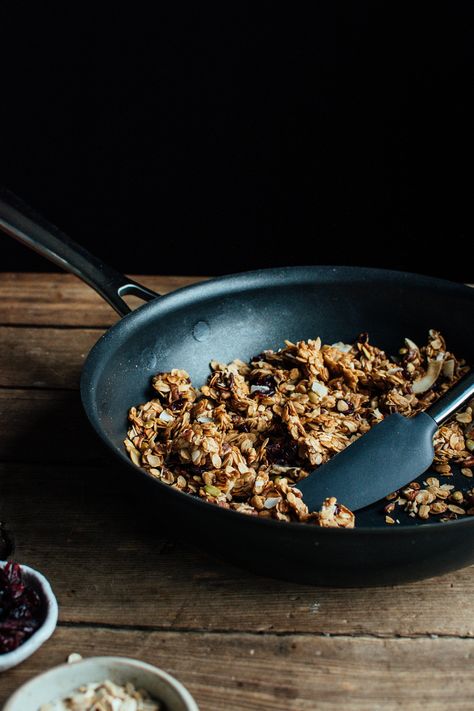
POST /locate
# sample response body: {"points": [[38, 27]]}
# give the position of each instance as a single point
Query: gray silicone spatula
{"points": [[393, 453]]}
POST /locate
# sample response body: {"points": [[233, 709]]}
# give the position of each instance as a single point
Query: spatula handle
{"points": [[453, 400]]}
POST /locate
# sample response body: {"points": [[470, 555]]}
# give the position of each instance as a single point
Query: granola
{"points": [[435, 499], [246, 438]]}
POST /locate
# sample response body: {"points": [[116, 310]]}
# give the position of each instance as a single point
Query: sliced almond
{"points": [[428, 380], [411, 345], [448, 369]]}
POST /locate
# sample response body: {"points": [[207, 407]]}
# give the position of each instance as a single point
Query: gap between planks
{"points": [[271, 633]]}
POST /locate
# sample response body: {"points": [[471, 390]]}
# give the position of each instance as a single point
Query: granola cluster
{"points": [[245, 439]]}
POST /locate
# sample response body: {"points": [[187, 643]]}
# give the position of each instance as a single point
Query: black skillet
{"points": [[238, 316]]}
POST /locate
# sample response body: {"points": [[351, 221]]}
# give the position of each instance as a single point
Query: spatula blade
{"points": [[389, 456]]}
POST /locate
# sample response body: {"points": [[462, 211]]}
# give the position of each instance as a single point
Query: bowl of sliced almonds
{"points": [[102, 682]]}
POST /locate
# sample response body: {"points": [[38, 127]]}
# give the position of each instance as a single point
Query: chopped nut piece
{"points": [[104, 696], [74, 657], [319, 388]]}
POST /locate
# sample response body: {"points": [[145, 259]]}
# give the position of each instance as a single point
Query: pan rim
{"points": [[257, 278]]}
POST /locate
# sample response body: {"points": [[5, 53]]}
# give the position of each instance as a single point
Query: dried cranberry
{"points": [[178, 404], [184, 468], [260, 357], [363, 337], [20, 608], [239, 423], [282, 451]]}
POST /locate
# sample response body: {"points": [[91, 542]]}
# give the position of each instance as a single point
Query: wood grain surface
{"points": [[127, 586], [298, 672], [63, 300]]}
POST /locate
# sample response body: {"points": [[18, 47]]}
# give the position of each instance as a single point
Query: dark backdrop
{"points": [[208, 140]]}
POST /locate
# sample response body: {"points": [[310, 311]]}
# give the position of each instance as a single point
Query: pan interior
{"points": [[239, 316]]}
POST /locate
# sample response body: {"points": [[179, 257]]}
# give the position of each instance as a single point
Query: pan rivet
{"points": [[201, 331]]}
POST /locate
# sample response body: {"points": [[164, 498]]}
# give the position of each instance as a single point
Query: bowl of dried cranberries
{"points": [[28, 612]]}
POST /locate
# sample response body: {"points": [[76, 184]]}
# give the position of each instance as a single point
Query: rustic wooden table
{"points": [[124, 586]]}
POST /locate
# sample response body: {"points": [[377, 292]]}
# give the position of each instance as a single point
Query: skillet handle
{"points": [[21, 222]]}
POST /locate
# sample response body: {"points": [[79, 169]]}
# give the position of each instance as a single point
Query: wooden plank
{"points": [[271, 673], [64, 300], [43, 357], [109, 561], [46, 425]]}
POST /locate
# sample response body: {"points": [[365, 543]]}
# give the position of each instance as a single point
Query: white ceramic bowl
{"points": [[60, 681], [43, 588]]}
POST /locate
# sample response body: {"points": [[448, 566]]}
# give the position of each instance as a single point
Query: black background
{"points": [[200, 140]]}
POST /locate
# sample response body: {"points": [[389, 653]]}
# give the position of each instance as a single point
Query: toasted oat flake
{"points": [[456, 509], [438, 507], [246, 438], [424, 511]]}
